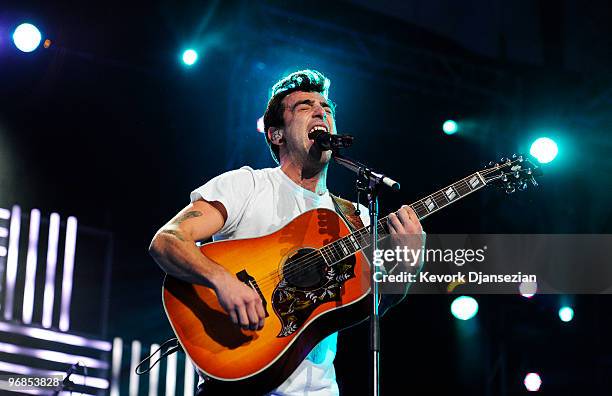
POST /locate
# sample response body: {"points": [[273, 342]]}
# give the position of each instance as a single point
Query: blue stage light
{"points": [[449, 127], [544, 150], [566, 314], [464, 308], [26, 37], [190, 57]]}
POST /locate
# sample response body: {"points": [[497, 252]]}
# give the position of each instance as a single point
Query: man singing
{"points": [[247, 203]]}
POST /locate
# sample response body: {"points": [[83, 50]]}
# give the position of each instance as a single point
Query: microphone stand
{"points": [[367, 177], [67, 384]]}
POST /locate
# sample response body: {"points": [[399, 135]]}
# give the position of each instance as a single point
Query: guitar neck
{"points": [[361, 239], [444, 197]]}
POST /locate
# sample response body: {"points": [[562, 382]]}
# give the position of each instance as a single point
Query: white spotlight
{"points": [[532, 382], [27, 37], [528, 289]]}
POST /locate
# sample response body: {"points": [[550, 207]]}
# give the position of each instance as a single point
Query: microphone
{"points": [[326, 141]]}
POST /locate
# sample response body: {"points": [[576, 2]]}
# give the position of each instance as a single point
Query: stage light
{"points": [[154, 373], [171, 366], [54, 336], [566, 314], [116, 367], [532, 382], [189, 379], [134, 360], [190, 57], [51, 356], [26, 37], [528, 289], [68, 270], [11, 262], [49, 293], [449, 127], [544, 150], [464, 308], [31, 261]]}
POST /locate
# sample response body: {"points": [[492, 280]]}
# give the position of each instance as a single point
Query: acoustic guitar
{"points": [[313, 279]]}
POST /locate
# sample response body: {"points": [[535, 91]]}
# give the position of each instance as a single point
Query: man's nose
{"points": [[319, 112]]}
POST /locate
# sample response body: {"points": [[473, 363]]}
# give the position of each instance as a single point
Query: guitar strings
{"points": [[302, 265], [311, 259]]}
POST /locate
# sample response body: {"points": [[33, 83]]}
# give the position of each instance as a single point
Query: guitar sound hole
{"points": [[304, 269]]}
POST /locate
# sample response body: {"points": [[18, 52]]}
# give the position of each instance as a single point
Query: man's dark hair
{"points": [[304, 81]]}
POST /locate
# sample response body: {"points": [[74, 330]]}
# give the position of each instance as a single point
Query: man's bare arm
{"points": [[173, 246], [174, 249]]}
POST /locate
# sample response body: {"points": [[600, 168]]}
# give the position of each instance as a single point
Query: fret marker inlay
{"points": [[344, 248], [474, 181], [355, 244], [450, 194], [429, 203]]}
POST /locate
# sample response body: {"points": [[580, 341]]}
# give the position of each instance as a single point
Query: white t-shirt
{"points": [[259, 202]]}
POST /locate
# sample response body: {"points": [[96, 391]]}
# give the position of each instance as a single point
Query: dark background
{"points": [[109, 126]]}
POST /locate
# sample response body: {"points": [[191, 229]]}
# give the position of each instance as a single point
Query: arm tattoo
{"points": [[187, 216], [175, 233], [175, 223]]}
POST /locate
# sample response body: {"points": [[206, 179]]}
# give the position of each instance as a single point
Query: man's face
{"points": [[303, 112]]}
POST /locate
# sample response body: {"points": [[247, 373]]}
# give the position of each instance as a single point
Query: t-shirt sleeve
{"points": [[234, 189]]}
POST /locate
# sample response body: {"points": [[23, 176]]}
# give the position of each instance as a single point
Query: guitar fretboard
{"points": [[360, 239]]}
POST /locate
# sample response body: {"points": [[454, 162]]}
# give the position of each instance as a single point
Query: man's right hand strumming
{"points": [[241, 302]]}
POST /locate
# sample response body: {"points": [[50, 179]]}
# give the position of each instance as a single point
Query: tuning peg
{"points": [[504, 178], [510, 189], [517, 174], [522, 186], [513, 156], [520, 158], [491, 163], [529, 171], [503, 159]]}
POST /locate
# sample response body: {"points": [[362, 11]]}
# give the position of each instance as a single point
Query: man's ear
{"points": [[275, 135]]}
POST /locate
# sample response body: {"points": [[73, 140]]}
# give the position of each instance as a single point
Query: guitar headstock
{"points": [[511, 174]]}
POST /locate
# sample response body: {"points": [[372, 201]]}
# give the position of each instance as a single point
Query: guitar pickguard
{"points": [[294, 304]]}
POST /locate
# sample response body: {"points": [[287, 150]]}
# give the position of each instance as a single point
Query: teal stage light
{"points": [[190, 57], [544, 150], [566, 314], [450, 127], [464, 307], [26, 37]]}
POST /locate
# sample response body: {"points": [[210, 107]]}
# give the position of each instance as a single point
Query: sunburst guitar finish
{"points": [[305, 294]]}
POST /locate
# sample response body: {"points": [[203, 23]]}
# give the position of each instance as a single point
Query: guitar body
{"points": [[305, 295]]}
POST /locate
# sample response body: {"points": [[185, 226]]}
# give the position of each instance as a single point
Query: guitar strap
{"points": [[346, 210]]}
